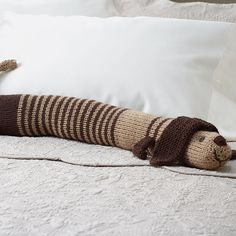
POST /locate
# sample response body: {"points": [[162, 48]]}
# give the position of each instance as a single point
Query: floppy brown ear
{"points": [[8, 65]]}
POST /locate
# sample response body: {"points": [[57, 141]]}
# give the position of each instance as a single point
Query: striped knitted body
{"points": [[98, 123], [78, 119]]}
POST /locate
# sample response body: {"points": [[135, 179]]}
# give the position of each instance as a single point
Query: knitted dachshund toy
{"points": [[164, 141]]}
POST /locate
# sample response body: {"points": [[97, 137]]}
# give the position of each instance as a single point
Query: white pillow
{"points": [[182, 10], [223, 103], [159, 66], [101, 8]]}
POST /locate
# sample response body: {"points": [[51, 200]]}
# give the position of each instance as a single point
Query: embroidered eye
{"points": [[201, 139]]}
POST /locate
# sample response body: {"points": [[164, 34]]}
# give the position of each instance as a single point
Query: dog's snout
{"points": [[220, 141]]}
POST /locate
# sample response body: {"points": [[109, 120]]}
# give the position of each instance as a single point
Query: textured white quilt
{"points": [[42, 197]]}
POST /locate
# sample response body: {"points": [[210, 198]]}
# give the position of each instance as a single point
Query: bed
{"points": [[122, 196]]}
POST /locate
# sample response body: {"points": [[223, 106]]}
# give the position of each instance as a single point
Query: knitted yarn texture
{"points": [[8, 65], [164, 141]]}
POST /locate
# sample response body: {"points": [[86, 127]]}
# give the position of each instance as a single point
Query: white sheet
{"points": [[101, 8], [77, 153], [42, 197]]}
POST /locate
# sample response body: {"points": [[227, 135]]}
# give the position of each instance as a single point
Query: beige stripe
{"points": [[105, 120], [154, 126], [35, 131], [72, 120], [78, 121], [40, 118], [86, 135], [53, 121], [91, 133], [110, 125], [161, 129], [19, 115], [47, 113], [66, 121], [130, 128], [26, 117], [60, 116], [99, 123]]}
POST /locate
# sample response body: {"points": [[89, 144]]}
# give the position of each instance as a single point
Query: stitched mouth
{"points": [[217, 158]]}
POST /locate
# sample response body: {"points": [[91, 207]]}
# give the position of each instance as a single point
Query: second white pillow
{"points": [[100, 8], [222, 111]]}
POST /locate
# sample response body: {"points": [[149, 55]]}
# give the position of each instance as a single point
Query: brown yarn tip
{"points": [[233, 157], [8, 65]]}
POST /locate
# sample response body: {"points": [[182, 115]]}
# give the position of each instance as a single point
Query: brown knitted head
{"points": [[187, 141], [207, 150]]}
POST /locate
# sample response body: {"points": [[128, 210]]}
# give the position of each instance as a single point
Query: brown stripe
{"points": [[37, 115], [30, 115], [108, 122], [93, 123], [113, 126], [90, 121], [27, 118], [35, 131], [75, 110], [101, 122], [75, 119], [57, 115], [159, 126], [109, 130], [49, 106], [79, 121], [66, 123], [44, 115], [23, 111], [9, 115], [153, 129], [87, 122], [20, 115], [83, 119], [151, 125], [55, 112], [96, 124], [104, 123], [50, 111], [40, 115], [62, 115]]}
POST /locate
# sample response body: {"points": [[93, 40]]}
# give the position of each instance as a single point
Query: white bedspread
{"points": [[42, 197], [88, 155]]}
